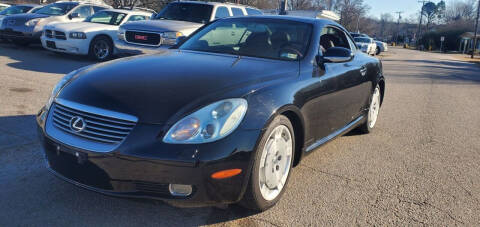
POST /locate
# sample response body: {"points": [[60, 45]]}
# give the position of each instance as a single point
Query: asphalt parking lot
{"points": [[421, 165]]}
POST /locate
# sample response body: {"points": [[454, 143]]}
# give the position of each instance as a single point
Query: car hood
{"points": [[81, 26], [26, 16], [160, 25], [156, 87]]}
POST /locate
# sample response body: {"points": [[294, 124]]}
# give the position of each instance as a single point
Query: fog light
{"points": [[180, 189]]}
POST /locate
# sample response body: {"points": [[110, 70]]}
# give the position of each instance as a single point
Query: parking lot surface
{"points": [[421, 165]]}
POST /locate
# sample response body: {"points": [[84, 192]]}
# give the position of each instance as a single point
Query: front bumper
{"points": [[142, 169], [70, 46], [20, 34], [129, 48]]}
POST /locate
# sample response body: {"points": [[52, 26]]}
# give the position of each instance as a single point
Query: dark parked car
{"points": [[26, 28], [220, 119]]}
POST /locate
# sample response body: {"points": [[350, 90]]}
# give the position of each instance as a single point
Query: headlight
{"points": [[32, 22], [77, 35], [170, 38], [121, 34], [59, 87], [210, 123]]}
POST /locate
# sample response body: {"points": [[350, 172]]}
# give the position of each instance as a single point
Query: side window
{"points": [[221, 12], [137, 18], [251, 11], [353, 47], [83, 11], [237, 12], [98, 8], [333, 37]]}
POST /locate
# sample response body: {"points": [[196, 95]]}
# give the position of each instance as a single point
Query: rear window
{"points": [[362, 40], [251, 11], [191, 12], [237, 12]]}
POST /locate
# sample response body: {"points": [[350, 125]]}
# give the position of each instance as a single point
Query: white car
{"points": [[177, 19], [381, 47], [93, 37], [366, 44]]}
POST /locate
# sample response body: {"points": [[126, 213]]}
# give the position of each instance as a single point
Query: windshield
{"points": [[274, 39], [106, 17], [57, 8], [192, 12], [15, 10], [362, 40]]}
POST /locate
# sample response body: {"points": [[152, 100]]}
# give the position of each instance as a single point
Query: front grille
{"points": [[48, 33], [55, 34], [143, 38], [152, 187], [11, 33], [98, 128], [60, 35]]}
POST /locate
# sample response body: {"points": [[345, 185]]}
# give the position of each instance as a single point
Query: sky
{"points": [[409, 7]]}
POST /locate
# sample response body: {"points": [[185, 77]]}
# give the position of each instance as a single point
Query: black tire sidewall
{"points": [[253, 191]]}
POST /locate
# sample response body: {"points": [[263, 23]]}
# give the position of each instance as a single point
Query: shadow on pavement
{"points": [[35, 58], [30, 193]]}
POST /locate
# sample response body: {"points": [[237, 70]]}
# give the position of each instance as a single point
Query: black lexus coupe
{"points": [[220, 118]]}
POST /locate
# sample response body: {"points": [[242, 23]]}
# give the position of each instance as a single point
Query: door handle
{"points": [[363, 70]]}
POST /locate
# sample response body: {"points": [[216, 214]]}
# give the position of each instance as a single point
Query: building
{"points": [[466, 42]]}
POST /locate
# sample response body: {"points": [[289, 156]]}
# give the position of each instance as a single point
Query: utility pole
{"points": [[358, 23], [476, 28], [398, 25], [419, 30]]}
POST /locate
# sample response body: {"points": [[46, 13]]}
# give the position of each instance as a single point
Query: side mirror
{"points": [[73, 15], [180, 39], [337, 55]]}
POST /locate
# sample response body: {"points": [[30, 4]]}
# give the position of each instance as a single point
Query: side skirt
{"points": [[339, 132]]}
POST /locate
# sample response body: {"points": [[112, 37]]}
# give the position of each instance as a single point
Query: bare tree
{"points": [[351, 11]]}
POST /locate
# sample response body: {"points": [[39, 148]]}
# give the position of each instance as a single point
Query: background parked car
{"points": [[24, 29], [3, 6], [381, 47], [17, 9], [367, 45], [175, 20], [93, 37], [355, 35]]}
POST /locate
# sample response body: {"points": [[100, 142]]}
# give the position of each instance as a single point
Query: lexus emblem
{"points": [[77, 124]]}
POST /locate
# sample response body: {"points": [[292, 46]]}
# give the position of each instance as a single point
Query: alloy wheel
{"points": [[275, 162], [374, 108], [101, 49]]}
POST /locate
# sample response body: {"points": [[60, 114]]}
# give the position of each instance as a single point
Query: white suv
{"points": [[175, 20], [93, 37]]}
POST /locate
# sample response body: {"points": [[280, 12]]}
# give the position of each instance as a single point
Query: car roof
{"points": [[85, 3], [216, 3], [126, 11], [31, 5], [309, 20]]}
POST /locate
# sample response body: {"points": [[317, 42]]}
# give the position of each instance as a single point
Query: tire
{"points": [[373, 112], [21, 43], [264, 189], [377, 52], [101, 49]]}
